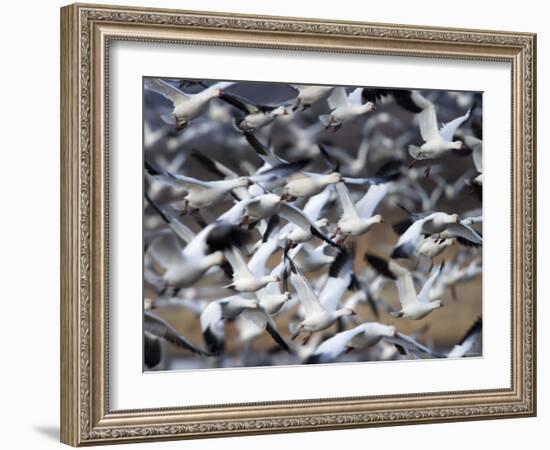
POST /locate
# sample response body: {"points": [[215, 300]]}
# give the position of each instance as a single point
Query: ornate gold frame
{"points": [[86, 31]]}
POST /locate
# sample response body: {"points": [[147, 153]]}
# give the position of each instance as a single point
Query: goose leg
{"points": [[428, 169]]}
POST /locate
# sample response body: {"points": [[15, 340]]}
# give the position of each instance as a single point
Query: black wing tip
{"points": [[339, 262], [381, 265], [315, 232], [467, 243], [226, 236], [214, 345], [278, 338], [157, 208], [401, 252], [402, 226]]}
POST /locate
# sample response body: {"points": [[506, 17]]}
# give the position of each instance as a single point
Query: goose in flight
{"points": [[436, 141], [413, 306], [185, 265], [254, 209], [312, 210], [253, 116], [429, 223], [245, 278], [215, 314], [200, 194], [344, 108], [185, 106], [362, 336], [358, 218], [321, 312], [308, 95], [156, 330]]}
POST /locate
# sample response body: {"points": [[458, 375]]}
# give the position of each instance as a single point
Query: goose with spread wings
{"points": [[217, 312], [357, 218], [413, 306], [253, 116], [431, 223], [363, 336], [308, 95], [183, 266], [320, 312], [344, 108], [185, 106]]}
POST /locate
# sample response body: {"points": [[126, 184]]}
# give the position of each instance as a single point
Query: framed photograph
{"points": [[281, 224]]}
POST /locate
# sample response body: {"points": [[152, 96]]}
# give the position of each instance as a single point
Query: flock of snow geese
{"points": [[318, 221]]}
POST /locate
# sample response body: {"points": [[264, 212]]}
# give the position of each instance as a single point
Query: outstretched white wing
{"points": [[235, 258], [369, 202], [307, 297], [166, 90], [348, 209], [405, 284], [338, 98], [449, 129]]}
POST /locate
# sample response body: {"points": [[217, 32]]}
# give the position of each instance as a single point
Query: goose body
{"points": [[344, 108], [413, 306], [185, 106]]}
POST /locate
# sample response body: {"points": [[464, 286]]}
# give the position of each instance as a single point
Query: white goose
{"points": [[213, 317], [308, 95], [254, 209], [200, 194], [312, 210], [362, 336], [344, 108], [185, 106], [184, 266], [321, 312], [422, 223], [254, 116], [310, 184], [246, 279], [357, 219], [413, 306], [436, 141]]}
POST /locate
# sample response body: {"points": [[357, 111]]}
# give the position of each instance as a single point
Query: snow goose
{"points": [[308, 185], [185, 106], [412, 229], [357, 219], [200, 194], [344, 108], [433, 246], [184, 266], [308, 95], [246, 279], [254, 116], [413, 306], [312, 210], [213, 319], [436, 141], [320, 312], [156, 330], [362, 336]]}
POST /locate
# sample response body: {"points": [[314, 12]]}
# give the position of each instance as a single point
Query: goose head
{"points": [[333, 178], [322, 222], [458, 145], [436, 304], [244, 182], [377, 218]]}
